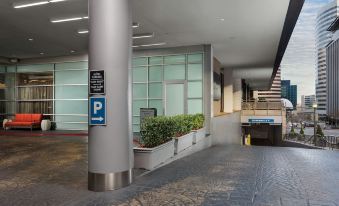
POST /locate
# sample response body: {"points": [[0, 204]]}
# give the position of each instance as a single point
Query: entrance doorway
{"points": [[174, 98]]}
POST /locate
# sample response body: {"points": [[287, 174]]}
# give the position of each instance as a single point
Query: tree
{"points": [[320, 131]]}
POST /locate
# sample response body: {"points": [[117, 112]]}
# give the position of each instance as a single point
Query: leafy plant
{"points": [[157, 130], [198, 121], [183, 124], [302, 132], [320, 131]]}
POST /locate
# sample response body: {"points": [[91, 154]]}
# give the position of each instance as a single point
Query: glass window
{"points": [[137, 104], [35, 68], [175, 72], [156, 60], [71, 92], [11, 69], [194, 72], [71, 77], [158, 105], [72, 66], [195, 58], [136, 127], [71, 106], [40, 107], [155, 90], [194, 89], [142, 61], [194, 106], [175, 59], [139, 90], [2, 68], [136, 120], [155, 73], [140, 74]]}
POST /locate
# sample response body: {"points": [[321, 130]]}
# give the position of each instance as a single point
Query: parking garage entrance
{"points": [[263, 134]]}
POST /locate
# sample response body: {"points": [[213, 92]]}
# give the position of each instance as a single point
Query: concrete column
{"points": [[237, 94], [228, 90], [110, 154]]}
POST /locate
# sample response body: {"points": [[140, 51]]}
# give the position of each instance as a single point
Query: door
{"points": [[175, 98]]}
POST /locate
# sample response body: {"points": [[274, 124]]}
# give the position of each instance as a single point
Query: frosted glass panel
{"points": [[11, 69], [72, 126], [175, 99], [140, 74], [140, 61], [194, 72], [194, 58], [71, 65], [71, 77], [2, 68], [71, 92], [155, 73], [136, 120], [139, 90], [10, 86], [175, 72], [175, 59], [158, 105], [71, 118], [137, 104], [155, 90], [136, 128], [194, 106], [35, 68], [194, 89], [71, 107], [156, 60]]}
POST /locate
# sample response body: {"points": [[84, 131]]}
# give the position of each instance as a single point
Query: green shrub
{"points": [[157, 130], [302, 132], [183, 124], [198, 121], [320, 131]]}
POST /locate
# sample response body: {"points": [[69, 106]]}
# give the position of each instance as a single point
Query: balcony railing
{"points": [[262, 108]]}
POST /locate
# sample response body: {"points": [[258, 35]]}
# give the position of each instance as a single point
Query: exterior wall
{"points": [[226, 129], [228, 91], [324, 19], [237, 94], [333, 82]]}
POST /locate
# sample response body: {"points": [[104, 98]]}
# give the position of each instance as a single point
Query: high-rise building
{"points": [[332, 60], [307, 101], [274, 94], [289, 92], [325, 17]]}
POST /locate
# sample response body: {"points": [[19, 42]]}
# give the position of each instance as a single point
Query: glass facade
{"points": [[151, 74], [59, 91]]}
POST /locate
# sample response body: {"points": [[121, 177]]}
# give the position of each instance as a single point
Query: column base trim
{"points": [[110, 181]]}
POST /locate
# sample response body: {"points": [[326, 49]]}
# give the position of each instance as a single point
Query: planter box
{"points": [[199, 135], [183, 142], [149, 158]]}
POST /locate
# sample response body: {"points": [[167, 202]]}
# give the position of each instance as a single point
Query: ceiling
{"points": [[245, 34]]}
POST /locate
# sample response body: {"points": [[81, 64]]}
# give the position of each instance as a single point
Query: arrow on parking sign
{"points": [[98, 119]]}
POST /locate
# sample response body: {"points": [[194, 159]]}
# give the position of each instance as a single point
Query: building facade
{"points": [[323, 37], [289, 92], [272, 95], [332, 60], [307, 101]]}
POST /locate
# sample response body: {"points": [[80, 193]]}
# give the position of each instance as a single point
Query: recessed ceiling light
{"points": [[135, 25], [37, 3], [41, 53], [66, 19], [142, 36], [30, 39], [72, 51], [149, 45], [83, 31], [221, 19]]}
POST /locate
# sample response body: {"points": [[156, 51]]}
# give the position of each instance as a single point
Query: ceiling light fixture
{"points": [[41, 53], [72, 51], [142, 36], [30, 39], [135, 25], [67, 19], [149, 45], [83, 31], [38, 3]]}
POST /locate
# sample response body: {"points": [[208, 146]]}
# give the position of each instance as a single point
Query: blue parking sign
{"points": [[97, 111]]}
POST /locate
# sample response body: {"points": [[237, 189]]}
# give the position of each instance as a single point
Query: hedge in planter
{"points": [[157, 130], [183, 124], [197, 121]]}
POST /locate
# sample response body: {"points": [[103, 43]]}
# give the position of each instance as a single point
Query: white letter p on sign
{"points": [[97, 107]]}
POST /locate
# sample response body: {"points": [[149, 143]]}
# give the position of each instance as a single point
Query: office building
{"points": [[307, 101], [272, 95], [325, 17], [289, 92]]}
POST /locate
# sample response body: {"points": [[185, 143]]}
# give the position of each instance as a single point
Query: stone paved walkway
{"points": [[52, 171]]}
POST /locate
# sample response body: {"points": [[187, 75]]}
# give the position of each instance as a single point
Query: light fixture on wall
{"points": [[142, 36], [60, 20], [36, 3], [83, 31]]}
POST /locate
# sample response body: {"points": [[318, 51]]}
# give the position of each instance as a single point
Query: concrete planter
{"points": [[199, 135], [150, 158], [183, 142]]}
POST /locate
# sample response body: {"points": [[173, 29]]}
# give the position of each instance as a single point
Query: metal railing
{"points": [[262, 108], [329, 141]]}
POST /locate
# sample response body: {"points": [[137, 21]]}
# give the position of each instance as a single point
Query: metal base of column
{"points": [[111, 181]]}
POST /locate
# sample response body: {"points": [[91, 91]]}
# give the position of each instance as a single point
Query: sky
{"points": [[299, 61]]}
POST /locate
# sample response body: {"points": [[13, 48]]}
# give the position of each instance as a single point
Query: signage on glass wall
{"points": [[97, 111], [97, 82]]}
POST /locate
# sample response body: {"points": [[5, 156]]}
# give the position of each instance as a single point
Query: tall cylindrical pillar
{"points": [[110, 155]]}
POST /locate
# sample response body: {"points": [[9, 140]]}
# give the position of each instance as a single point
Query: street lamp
{"points": [[315, 121]]}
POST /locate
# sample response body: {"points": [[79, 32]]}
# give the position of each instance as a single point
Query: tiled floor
{"points": [[53, 171]]}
